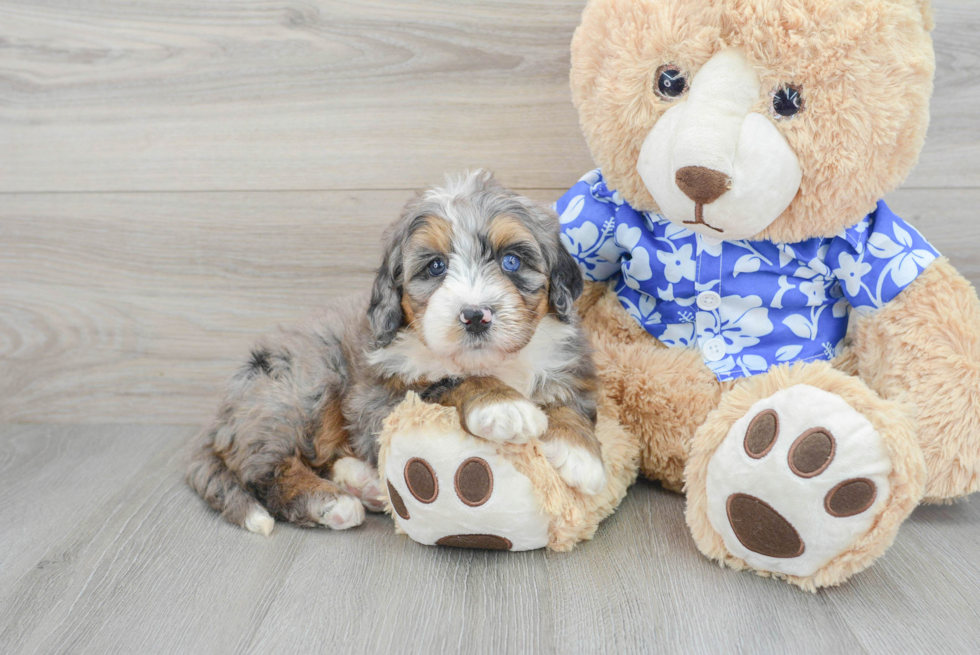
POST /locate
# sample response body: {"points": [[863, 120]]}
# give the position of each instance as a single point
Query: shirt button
{"points": [[708, 300], [713, 350], [711, 241]]}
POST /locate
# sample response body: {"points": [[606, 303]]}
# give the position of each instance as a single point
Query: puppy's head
{"points": [[471, 268]]}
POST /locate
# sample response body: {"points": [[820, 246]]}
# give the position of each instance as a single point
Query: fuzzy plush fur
{"points": [[912, 369], [573, 516], [867, 99]]}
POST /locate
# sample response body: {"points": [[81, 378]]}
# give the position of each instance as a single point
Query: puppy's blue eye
{"points": [[437, 267], [510, 263]]}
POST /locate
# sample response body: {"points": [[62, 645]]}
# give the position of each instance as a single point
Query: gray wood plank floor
{"points": [[104, 549]]}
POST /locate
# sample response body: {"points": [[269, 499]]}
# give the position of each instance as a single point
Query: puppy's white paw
{"points": [[577, 467], [341, 512], [259, 521], [360, 479], [513, 421]]}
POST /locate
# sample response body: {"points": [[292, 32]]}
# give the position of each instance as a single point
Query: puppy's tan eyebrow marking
{"points": [[432, 232], [506, 230]]}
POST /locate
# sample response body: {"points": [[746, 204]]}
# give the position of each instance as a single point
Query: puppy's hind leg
{"points": [[300, 496], [210, 477]]}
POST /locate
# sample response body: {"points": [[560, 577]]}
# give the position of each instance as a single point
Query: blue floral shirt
{"points": [[747, 305]]}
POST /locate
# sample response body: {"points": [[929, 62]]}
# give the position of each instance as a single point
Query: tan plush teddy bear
{"points": [[788, 351], [774, 340]]}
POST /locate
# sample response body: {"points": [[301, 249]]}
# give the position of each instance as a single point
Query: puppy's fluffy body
{"points": [[296, 436]]}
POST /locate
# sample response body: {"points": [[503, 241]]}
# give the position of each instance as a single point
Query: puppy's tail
{"points": [[210, 477]]}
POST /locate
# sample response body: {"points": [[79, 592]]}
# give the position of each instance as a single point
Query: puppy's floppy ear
{"points": [[565, 285], [385, 311]]}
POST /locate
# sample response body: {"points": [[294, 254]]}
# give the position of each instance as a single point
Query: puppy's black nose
{"points": [[476, 319]]}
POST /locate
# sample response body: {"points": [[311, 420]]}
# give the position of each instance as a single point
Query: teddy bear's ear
{"points": [[928, 22]]}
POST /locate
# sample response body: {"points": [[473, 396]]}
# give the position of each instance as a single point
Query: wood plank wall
{"points": [[177, 176]]}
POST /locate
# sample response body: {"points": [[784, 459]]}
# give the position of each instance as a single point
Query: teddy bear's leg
{"points": [[663, 394], [923, 349], [804, 473], [447, 487]]}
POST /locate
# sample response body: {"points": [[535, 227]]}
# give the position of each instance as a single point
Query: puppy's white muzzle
{"points": [[714, 130]]}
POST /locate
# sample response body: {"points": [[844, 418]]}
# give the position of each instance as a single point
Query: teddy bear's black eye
{"points": [[787, 101], [670, 81]]}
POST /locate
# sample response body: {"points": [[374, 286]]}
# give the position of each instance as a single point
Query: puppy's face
{"points": [[473, 269]]}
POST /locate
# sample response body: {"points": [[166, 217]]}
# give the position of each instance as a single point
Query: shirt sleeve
{"points": [[877, 258], [587, 213]]}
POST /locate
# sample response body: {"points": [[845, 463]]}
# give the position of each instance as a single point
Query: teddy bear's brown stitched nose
{"points": [[702, 185]]}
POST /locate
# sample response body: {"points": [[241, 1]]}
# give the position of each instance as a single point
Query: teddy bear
{"points": [[771, 338]]}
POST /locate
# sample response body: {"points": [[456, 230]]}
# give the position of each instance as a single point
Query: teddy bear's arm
{"points": [[923, 349]]}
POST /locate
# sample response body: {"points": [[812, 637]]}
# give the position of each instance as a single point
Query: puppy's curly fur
{"points": [[472, 307]]}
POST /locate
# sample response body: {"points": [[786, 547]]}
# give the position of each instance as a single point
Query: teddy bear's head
{"points": [[765, 119]]}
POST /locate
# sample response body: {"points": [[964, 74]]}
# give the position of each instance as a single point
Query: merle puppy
{"points": [[472, 307]]}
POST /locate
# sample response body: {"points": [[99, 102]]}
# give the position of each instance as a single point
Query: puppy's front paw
{"points": [[341, 512], [360, 479], [577, 467], [512, 421]]}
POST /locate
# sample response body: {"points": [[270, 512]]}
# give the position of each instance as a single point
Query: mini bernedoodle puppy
{"points": [[472, 307]]}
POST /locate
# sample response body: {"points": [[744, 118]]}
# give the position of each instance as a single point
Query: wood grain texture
{"points": [[275, 94], [106, 95], [120, 556]]}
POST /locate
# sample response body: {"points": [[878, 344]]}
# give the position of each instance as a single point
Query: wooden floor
{"points": [[104, 549], [178, 176]]}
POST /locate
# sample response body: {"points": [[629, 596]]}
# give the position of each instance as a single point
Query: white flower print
{"points": [[850, 271], [784, 286], [573, 210], [678, 265], [643, 313], [709, 246], [743, 320], [905, 259], [636, 269], [815, 291], [678, 334]]}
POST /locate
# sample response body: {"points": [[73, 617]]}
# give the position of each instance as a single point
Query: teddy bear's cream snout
{"points": [[713, 164]]}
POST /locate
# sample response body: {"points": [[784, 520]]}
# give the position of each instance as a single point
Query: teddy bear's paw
{"points": [[507, 421], [576, 466], [448, 488], [360, 479], [797, 481]]}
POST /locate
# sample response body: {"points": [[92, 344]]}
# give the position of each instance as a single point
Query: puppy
{"points": [[472, 307]]}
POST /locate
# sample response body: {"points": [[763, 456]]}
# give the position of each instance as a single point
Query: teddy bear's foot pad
{"points": [[797, 481], [449, 488]]}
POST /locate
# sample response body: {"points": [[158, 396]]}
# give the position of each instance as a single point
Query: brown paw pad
{"points": [[812, 452], [397, 502], [762, 529], [421, 480], [761, 435], [850, 497], [474, 482], [485, 541]]}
